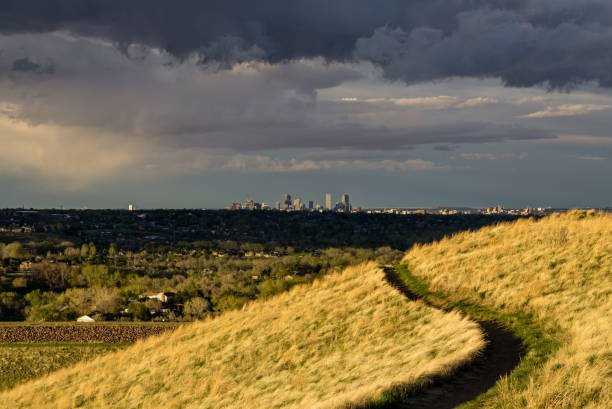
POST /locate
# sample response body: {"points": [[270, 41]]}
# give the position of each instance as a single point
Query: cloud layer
{"points": [[250, 107], [524, 42], [568, 110]]}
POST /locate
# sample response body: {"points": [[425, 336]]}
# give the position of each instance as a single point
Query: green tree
{"points": [[226, 302], [13, 250], [269, 288], [71, 253], [197, 308], [9, 305], [106, 300], [97, 275], [79, 300], [84, 250], [92, 251], [44, 306], [112, 250], [139, 311], [51, 275]]}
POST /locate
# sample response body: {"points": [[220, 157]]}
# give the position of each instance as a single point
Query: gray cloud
{"points": [[445, 148], [251, 107], [494, 43], [266, 164], [25, 65], [284, 29], [354, 136], [525, 42]]}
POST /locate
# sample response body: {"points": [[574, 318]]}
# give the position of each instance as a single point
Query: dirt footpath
{"points": [[501, 355]]}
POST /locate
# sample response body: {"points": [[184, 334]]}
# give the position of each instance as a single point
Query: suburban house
{"points": [[164, 297]]}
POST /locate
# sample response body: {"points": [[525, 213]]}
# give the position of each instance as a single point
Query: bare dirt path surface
{"points": [[502, 354]]}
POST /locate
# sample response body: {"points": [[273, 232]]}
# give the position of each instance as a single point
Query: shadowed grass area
{"points": [[550, 281], [344, 340]]}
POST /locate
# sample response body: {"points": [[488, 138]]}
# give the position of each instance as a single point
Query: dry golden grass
{"points": [[559, 269], [345, 339]]}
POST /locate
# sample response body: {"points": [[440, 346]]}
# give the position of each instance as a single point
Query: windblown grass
{"points": [[559, 270], [345, 339]]}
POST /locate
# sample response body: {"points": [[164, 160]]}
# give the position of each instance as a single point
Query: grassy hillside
{"points": [[344, 339], [559, 269]]}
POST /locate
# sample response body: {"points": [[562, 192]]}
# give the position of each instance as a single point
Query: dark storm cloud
{"points": [[284, 29], [495, 43], [25, 65], [556, 43]]}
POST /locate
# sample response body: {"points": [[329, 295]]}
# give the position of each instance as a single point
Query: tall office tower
{"points": [[278, 206], [249, 204], [345, 203], [310, 205], [328, 201], [287, 203], [297, 204]]}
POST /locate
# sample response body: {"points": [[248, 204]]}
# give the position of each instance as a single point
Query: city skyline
{"points": [[290, 202], [276, 203]]}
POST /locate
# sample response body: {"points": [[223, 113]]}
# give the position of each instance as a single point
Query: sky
{"points": [[195, 104]]}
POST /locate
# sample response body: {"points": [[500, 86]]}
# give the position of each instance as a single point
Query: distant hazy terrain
{"points": [[346, 338], [559, 269], [58, 265]]}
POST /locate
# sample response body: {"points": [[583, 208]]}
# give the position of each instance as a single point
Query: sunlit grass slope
{"points": [[560, 270], [344, 339]]}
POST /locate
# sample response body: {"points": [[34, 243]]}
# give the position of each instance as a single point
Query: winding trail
{"points": [[501, 355]]}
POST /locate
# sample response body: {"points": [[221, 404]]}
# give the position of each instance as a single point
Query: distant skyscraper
{"points": [[297, 204], [328, 201], [131, 207], [310, 205], [345, 203], [287, 203], [249, 204]]}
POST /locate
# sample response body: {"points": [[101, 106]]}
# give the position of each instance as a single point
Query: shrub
{"points": [[139, 311], [197, 308]]}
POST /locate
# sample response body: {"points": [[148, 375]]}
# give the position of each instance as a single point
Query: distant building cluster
{"points": [[290, 204], [495, 210]]}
